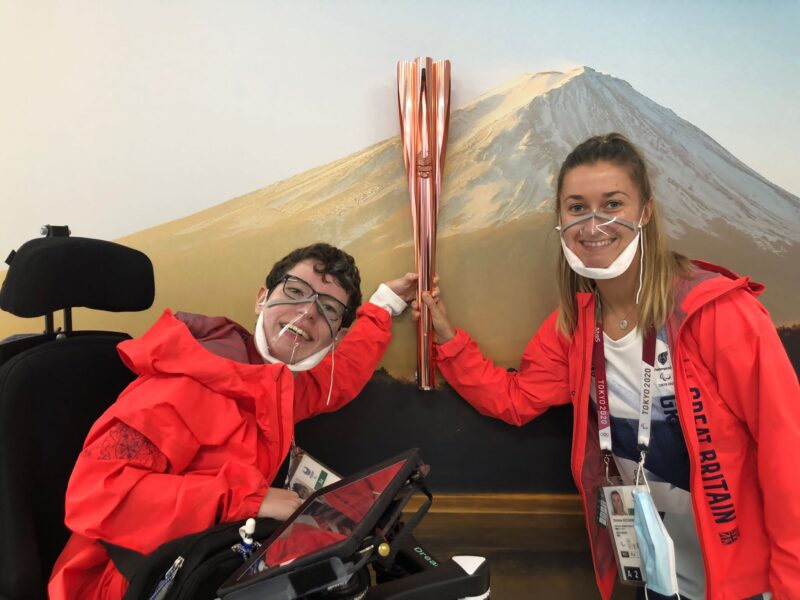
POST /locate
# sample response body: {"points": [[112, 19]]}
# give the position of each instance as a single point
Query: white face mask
{"points": [[302, 365], [655, 546], [615, 269]]}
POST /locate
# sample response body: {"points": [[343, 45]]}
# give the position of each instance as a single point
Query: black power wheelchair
{"points": [[54, 385]]}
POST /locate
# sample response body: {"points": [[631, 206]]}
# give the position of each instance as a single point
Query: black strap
{"points": [[411, 524], [406, 528], [125, 559]]}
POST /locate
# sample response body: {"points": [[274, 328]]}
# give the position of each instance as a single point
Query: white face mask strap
{"points": [[641, 262], [333, 366], [261, 337]]}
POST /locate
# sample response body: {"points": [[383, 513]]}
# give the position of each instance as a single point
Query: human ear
{"points": [[339, 336], [261, 298], [647, 211]]}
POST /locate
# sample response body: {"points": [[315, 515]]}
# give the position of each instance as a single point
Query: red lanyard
{"points": [[601, 389]]}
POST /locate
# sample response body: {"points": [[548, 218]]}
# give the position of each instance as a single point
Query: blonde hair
{"points": [[661, 266]]}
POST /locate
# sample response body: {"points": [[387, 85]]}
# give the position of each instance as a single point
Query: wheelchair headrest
{"points": [[53, 273]]}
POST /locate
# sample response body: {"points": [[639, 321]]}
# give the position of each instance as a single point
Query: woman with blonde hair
{"points": [[679, 383]]}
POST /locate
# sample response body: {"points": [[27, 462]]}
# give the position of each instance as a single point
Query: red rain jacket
{"points": [[739, 408], [195, 440]]}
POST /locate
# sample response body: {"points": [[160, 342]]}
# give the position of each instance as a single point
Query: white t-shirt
{"points": [[667, 462]]}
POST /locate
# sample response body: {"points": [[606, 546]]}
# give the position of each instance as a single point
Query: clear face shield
{"points": [[298, 324], [588, 236], [596, 225]]}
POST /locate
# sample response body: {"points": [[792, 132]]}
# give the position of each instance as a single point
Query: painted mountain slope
{"points": [[496, 243]]}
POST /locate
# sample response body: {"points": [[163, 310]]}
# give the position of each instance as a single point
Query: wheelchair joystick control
{"points": [[248, 545]]}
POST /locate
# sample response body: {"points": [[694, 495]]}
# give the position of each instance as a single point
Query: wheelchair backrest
{"points": [[53, 387]]}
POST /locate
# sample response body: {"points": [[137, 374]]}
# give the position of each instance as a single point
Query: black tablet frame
{"points": [[343, 549]]}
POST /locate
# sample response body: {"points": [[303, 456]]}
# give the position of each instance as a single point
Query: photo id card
{"points": [[620, 506], [306, 475], [601, 509]]}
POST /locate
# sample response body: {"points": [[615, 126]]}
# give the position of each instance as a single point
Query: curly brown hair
{"points": [[328, 260]]}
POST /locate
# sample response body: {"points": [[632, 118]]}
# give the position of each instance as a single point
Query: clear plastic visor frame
{"points": [[598, 223], [297, 291]]}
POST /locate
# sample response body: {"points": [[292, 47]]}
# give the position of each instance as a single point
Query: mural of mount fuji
{"points": [[497, 247]]}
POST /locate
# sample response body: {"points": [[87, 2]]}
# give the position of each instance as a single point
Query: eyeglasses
{"points": [[297, 289]]}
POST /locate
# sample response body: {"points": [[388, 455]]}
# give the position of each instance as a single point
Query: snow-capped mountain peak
{"points": [[507, 145]]}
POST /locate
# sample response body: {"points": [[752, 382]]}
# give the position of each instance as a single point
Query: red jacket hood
{"points": [[211, 350], [704, 284], [709, 282]]}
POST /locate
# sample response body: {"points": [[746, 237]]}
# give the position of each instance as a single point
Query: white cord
{"points": [[333, 364], [641, 265]]}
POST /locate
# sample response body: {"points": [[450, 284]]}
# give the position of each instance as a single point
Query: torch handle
{"points": [[426, 372]]}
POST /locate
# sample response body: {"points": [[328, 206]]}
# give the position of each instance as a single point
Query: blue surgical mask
{"points": [[655, 546]]}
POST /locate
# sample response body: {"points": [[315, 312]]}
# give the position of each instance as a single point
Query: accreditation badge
{"points": [[620, 507], [306, 475]]}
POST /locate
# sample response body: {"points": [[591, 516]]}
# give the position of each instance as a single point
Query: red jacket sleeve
{"points": [[353, 363], [516, 397], [739, 345], [128, 490]]}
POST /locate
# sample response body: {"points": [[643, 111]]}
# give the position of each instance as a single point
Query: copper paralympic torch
{"points": [[423, 95]]}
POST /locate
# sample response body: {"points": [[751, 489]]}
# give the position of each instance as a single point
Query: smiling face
{"points": [[296, 331], [606, 191]]}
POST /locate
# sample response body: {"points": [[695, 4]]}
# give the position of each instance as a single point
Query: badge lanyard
{"points": [[621, 525], [645, 393]]}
